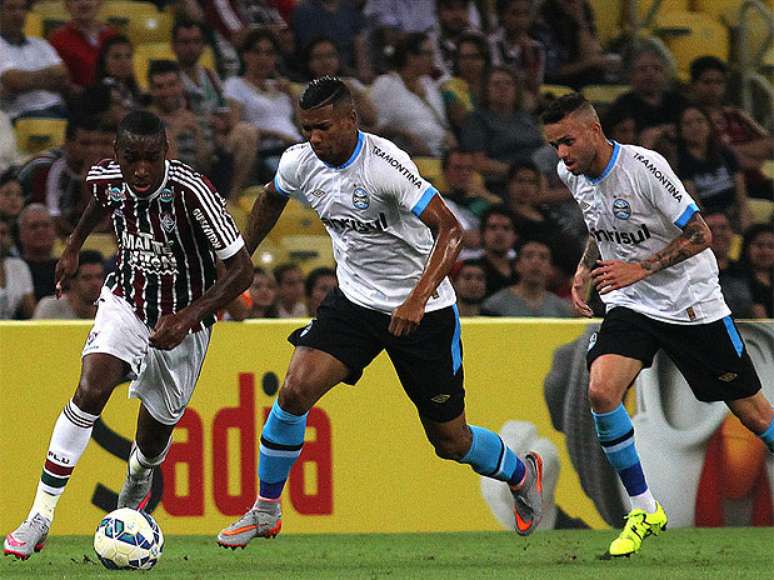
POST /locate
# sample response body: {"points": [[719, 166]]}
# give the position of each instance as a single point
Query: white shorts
{"points": [[164, 380]]}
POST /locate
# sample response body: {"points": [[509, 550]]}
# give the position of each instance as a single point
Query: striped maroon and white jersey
{"points": [[167, 241]]}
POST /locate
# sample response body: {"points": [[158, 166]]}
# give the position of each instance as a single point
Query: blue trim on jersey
{"points": [[733, 333], [355, 153], [456, 347], [686, 215], [424, 201], [609, 167], [278, 189]]}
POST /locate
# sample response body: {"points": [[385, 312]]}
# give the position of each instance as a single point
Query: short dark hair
{"points": [[563, 106], [447, 155], [496, 210], [282, 269], [84, 122], [543, 241], [316, 274], [520, 165], [161, 67], [142, 124], [325, 90], [459, 266], [702, 64], [90, 257], [749, 236], [410, 44], [10, 174], [186, 23]]}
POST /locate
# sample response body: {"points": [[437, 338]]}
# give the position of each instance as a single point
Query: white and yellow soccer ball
{"points": [[128, 539]]}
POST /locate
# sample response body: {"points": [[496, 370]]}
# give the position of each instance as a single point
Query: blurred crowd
{"points": [[459, 84]]}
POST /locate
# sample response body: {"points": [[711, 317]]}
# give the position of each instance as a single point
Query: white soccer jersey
{"points": [[370, 206], [633, 210]]}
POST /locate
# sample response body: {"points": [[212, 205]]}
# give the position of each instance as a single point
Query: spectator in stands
{"points": [[11, 197], [321, 58], [260, 97], [469, 281], [339, 20], [235, 142], [9, 154], [290, 285], [318, 283], [409, 103], [500, 131], [79, 301], [574, 56], [262, 295], [708, 169], [33, 77], [529, 296], [621, 126], [651, 102], [188, 141], [734, 281], [17, 298], [103, 102], [391, 20], [513, 47], [78, 41], [751, 143], [463, 92], [115, 68], [498, 237], [758, 263], [55, 177], [36, 244], [453, 19]]}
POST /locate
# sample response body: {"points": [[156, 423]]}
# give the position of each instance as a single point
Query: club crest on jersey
{"points": [[116, 194], [621, 209], [167, 222], [166, 195], [360, 198]]}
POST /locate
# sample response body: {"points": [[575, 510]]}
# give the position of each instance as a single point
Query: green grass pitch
{"points": [[685, 553]]}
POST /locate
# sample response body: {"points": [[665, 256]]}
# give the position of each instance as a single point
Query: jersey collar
{"points": [[355, 153], [155, 194], [609, 167]]}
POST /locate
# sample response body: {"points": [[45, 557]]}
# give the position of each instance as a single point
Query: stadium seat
{"points": [[105, 244], [35, 135], [762, 210], [140, 21], [430, 168], [33, 25], [150, 51], [604, 94], [52, 15], [555, 91], [297, 220], [644, 7], [735, 248], [308, 251], [689, 35], [607, 16]]}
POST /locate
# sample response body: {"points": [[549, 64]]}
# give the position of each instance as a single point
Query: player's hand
{"points": [[578, 291], [65, 269], [406, 317], [170, 331], [612, 275]]}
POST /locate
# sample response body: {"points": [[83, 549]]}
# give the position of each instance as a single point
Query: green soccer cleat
{"points": [[639, 525]]}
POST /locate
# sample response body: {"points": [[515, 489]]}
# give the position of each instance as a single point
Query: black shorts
{"points": [[428, 361], [712, 357]]}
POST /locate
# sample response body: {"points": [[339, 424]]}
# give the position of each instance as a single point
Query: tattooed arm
{"points": [[580, 283], [613, 274], [266, 211]]}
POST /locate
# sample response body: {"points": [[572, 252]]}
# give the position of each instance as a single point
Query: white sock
{"points": [[69, 439], [141, 466], [644, 501]]}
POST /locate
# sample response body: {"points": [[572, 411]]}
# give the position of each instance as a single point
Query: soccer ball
{"points": [[127, 539]]}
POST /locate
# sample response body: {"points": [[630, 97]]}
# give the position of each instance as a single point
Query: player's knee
{"points": [[293, 397], [603, 395], [451, 449], [92, 393]]}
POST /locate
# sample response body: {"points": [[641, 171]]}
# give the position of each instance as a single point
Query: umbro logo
{"points": [[317, 193], [727, 377], [440, 399]]}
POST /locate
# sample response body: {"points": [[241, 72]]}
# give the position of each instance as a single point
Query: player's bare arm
{"points": [[266, 211], [614, 274], [448, 241], [68, 262], [172, 329], [582, 279]]}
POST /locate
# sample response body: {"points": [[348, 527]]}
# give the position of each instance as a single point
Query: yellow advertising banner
{"points": [[366, 465]]}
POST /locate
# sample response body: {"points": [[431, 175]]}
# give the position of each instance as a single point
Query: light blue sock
{"points": [[768, 436], [281, 441], [616, 435], [490, 456]]}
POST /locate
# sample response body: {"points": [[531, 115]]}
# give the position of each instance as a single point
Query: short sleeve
{"points": [[216, 223], [98, 181], [662, 187], [402, 180], [286, 181]]}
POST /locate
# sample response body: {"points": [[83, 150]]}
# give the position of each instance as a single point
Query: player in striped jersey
{"points": [[155, 312]]}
